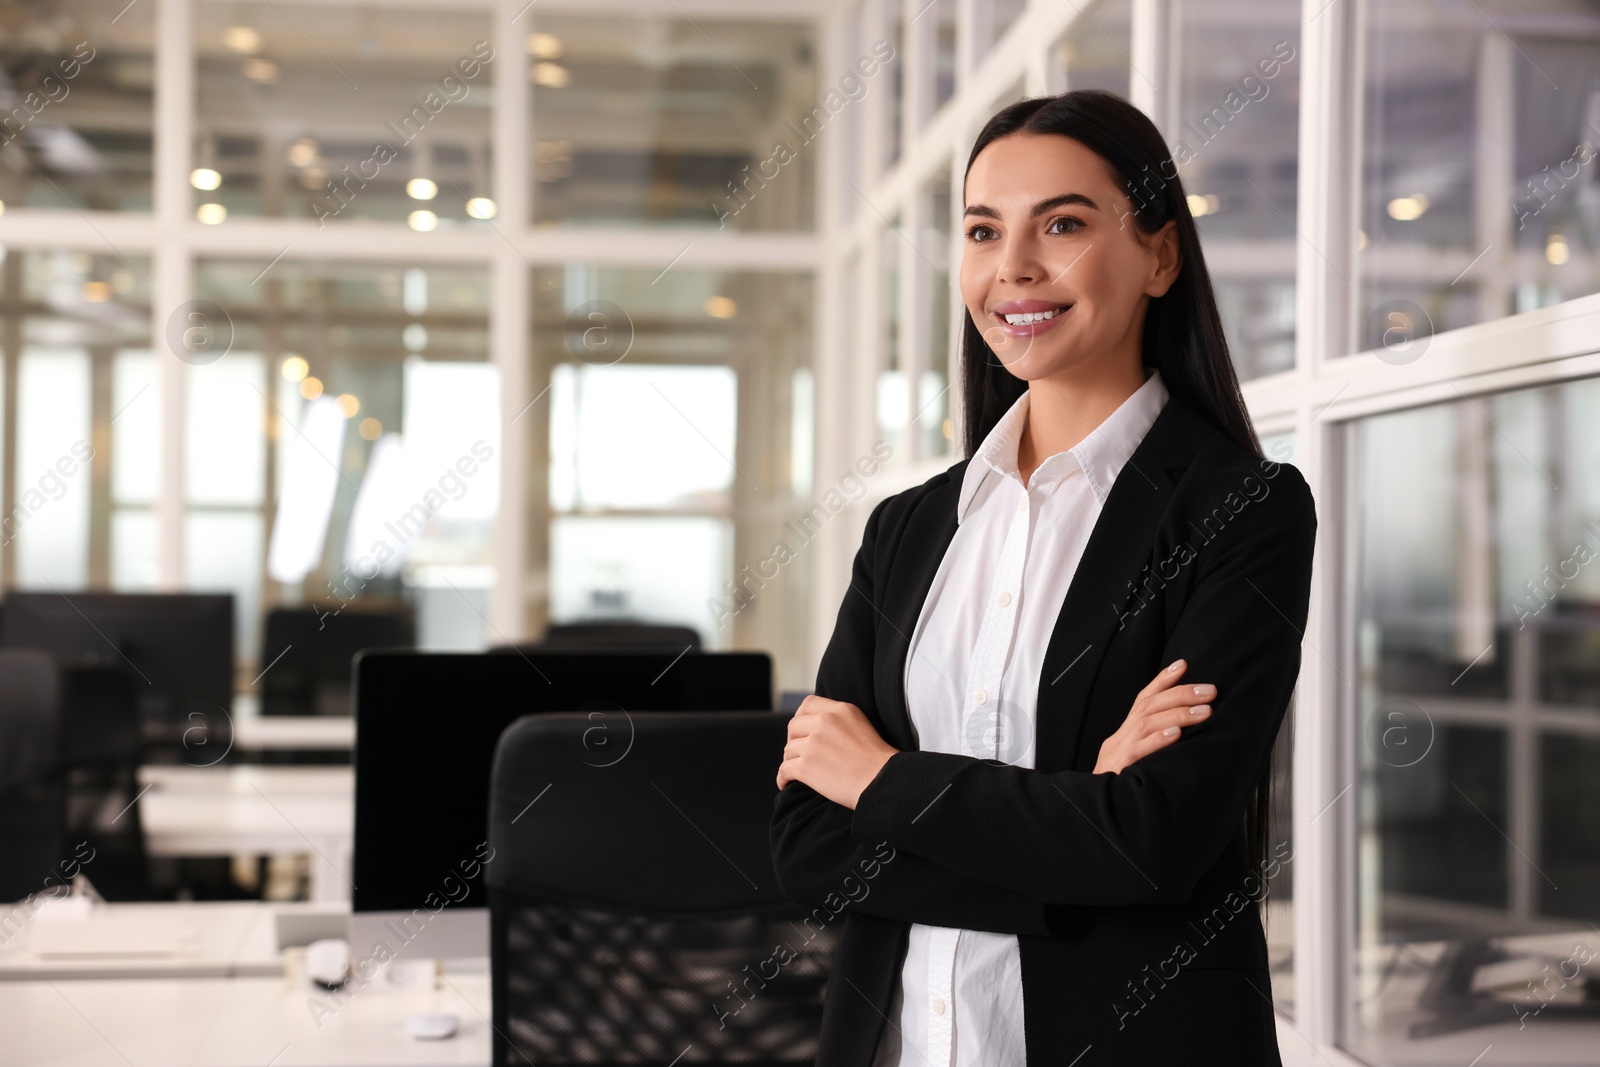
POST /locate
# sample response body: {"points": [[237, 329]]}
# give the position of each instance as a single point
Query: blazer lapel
{"points": [[927, 535], [1118, 548], [1104, 584]]}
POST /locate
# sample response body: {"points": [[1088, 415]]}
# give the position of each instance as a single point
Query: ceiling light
{"points": [[294, 369], [205, 178], [349, 404], [544, 46], [211, 214], [303, 152], [246, 40], [549, 75], [311, 388], [1408, 208], [370, 429], [422, 221], [1556, 251], [481, 207], [422, 189], [96, 292], [721, 307]]}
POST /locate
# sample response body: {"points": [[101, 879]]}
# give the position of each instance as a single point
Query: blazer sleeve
{"points": [[1148, 834], [818, 858]]}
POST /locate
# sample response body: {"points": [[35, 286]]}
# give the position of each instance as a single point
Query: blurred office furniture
{"points": [[32, 806], [224, 811], [180, 939], [634, 910], [790, 700], [101, 750], [176, 648], [426, 727], [208, 1022], [258, 736], [618, 634], [306, 653]]}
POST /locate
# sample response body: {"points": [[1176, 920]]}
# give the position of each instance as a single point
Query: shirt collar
{"points": [[1100, 455]]}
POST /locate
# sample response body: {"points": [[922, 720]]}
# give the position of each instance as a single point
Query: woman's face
{"points": [[1047, 228]]}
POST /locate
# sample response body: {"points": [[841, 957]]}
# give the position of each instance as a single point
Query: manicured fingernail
{"points": [[1202, 709], [1169, 731], [1175, 665]]}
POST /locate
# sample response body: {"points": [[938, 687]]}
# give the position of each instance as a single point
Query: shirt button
{"points": [[938, 1005], [1022, 505], [1003, 599], [983, 696]]}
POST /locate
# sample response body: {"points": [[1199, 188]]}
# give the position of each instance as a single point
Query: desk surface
{"points": [[253, 731], [235, 1022], [227, 811], [216, 939]]}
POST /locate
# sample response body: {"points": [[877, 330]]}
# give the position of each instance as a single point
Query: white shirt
{"points": [[972, 680]]}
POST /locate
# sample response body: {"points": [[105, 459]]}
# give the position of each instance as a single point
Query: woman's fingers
{"points": [[1166, 678], [1167, 727]]}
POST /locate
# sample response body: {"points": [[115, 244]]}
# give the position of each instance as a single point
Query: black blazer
{"points": [[1132, 896]]}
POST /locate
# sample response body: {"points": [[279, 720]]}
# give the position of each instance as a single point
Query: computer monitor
{"points": [[426, 728], [311, 650], [177, 648]]}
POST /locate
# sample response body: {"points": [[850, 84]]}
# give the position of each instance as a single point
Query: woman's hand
{"points": [[833, 749], [1160, 712]]}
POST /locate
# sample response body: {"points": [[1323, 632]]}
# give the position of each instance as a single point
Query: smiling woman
{"points": [[1064, 812]]}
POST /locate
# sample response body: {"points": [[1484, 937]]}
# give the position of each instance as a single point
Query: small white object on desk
{"points": [[432, 1025]]}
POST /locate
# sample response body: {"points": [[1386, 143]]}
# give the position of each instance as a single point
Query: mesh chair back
{"points": [[635, 917]]}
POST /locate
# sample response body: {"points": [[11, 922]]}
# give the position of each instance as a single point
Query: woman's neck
{"points": [[1063, 411]]}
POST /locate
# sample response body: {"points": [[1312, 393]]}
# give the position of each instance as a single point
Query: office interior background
{"points": [[523, 315]]}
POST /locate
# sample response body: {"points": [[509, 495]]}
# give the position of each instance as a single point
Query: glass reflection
{"points": [[1236, 145], [77, 82], [401, 355], [670, 433], [341, 113], [657, 119], [1477, 878], [1478, 149]]}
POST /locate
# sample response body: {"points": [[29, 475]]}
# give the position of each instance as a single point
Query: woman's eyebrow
{"points": [[1038, 209]]}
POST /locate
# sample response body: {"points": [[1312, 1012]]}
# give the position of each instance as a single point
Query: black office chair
{"points": [[32, 804], [635, 917], [101, 749], [306, 653], [614, 635]]}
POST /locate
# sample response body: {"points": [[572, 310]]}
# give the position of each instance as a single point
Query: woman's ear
{"points": [[1169, 261]]}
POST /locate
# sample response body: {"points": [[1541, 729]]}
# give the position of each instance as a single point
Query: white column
{"points": [[510, 322], [1325, 792], [173, 284]]}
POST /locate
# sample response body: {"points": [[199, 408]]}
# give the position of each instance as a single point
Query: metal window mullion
{"points": [[173, 284], [1326, 790]]}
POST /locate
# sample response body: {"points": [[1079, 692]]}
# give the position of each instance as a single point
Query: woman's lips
{"points": [[1033, 329]]}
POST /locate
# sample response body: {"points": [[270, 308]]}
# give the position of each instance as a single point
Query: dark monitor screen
{"points": [[426, 728], [177, 648]]}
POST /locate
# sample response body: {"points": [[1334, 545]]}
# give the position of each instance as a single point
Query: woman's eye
{"points": [[1077, 224], [975, 233]]}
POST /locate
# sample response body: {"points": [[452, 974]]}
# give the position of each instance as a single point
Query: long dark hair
{"points": [[1182, 336]]}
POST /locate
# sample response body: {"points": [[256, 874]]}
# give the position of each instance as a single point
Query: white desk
{"points": [[226, 811], [216, 939], [254, 732], [234, 1022]]}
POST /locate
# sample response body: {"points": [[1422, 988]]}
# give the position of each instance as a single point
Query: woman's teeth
{"points": [[1034, 316]]}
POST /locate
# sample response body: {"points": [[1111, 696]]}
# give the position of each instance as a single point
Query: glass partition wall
{"points": [[306, 327]]}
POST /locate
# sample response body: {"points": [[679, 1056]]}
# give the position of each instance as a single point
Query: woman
{"points": [[1044, 722]]}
